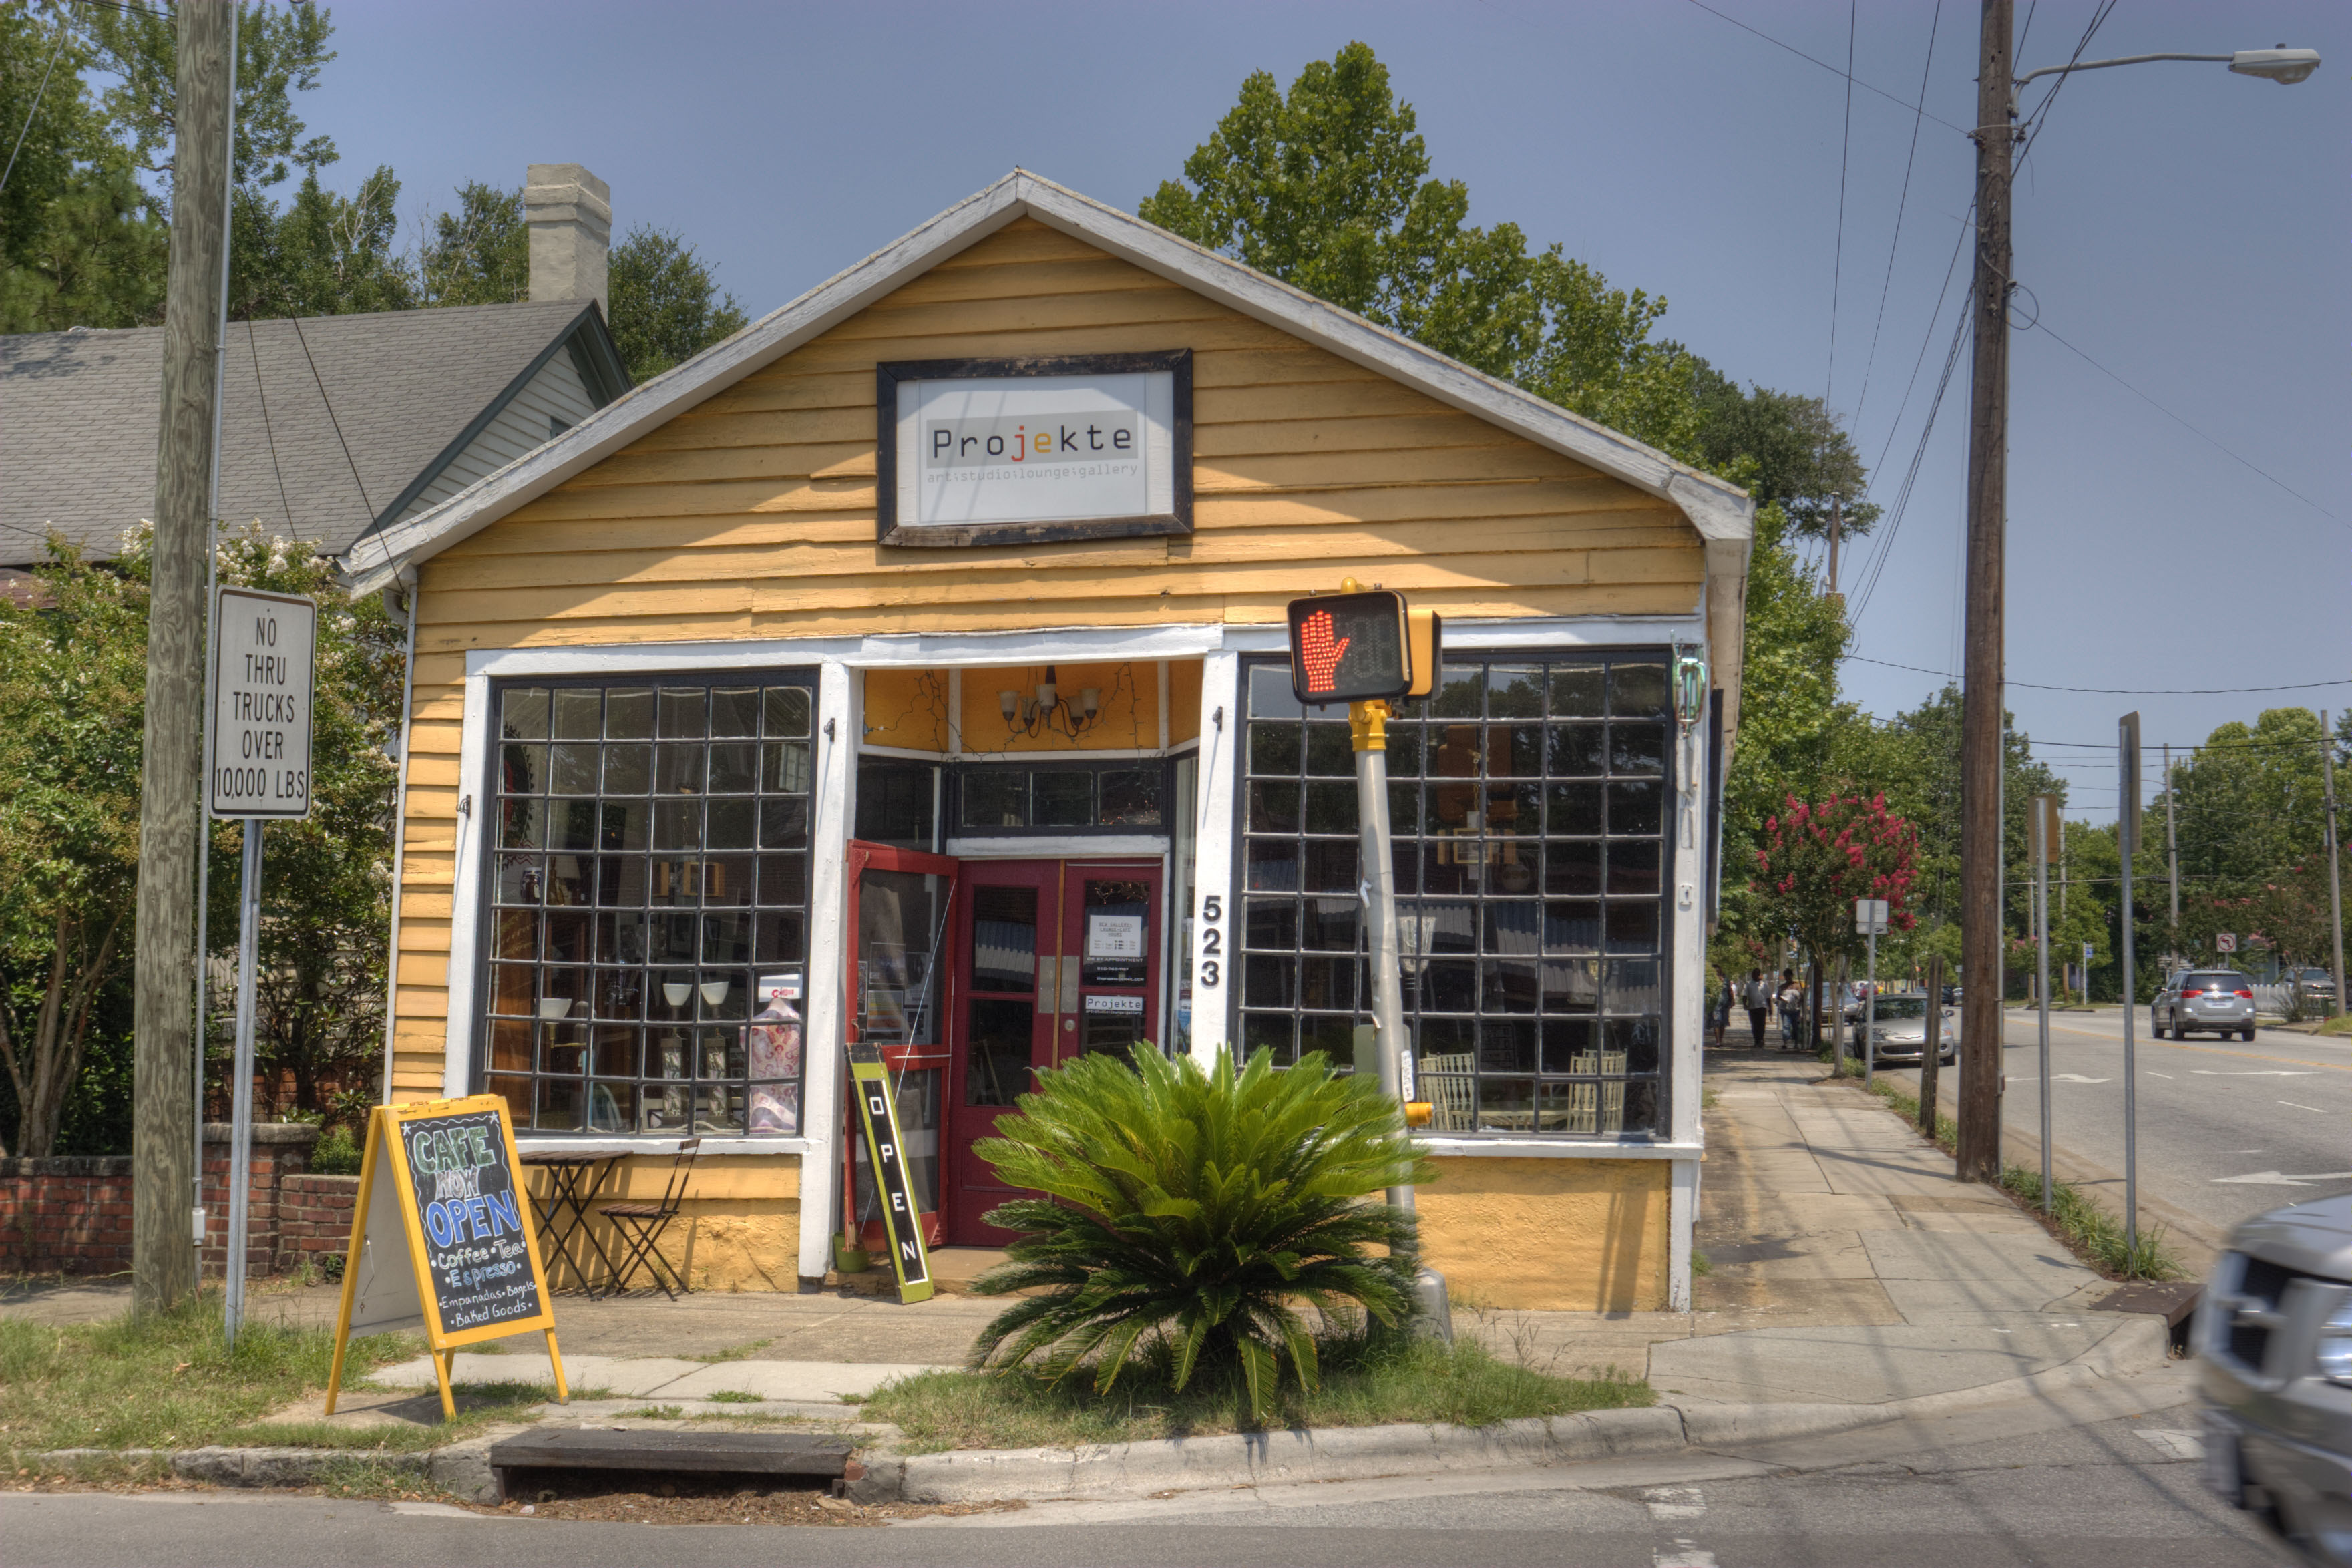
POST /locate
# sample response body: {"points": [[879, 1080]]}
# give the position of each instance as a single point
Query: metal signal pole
{"points": [[1979, 1155], [171, 835], [2335, 856]]}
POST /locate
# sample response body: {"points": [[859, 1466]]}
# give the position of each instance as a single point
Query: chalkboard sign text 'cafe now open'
{"points": [[909, 671]]}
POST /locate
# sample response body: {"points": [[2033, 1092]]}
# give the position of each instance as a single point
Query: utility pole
{"points": [[1981, 1064], [2171, 849], [163, 1248], [2335, 856], [1837, 518]]}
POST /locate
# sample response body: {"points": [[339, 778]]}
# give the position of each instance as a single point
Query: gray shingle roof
{"points": [[327, 421]]}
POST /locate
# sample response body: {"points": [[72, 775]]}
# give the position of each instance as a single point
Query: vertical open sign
{"points": [[902, 1219], [258, 747]]}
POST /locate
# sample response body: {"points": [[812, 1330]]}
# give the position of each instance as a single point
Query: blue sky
{"points": [[2183, 229]]}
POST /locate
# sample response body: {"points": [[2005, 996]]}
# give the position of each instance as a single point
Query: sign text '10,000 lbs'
{"points": [[260, 742]]}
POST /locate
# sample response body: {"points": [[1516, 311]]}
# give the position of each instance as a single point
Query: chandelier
{"points": [[1050, 709]]}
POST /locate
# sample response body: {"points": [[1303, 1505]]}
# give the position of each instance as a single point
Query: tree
{"points": [[1801, 456], [1328, 188], [1818, 860], [72, 690], [666, 306], [478, 255], [322, 255]]}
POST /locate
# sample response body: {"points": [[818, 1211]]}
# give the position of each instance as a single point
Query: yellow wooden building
{"points": [[909, 668]]}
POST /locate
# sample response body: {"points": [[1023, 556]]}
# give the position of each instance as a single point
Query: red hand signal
{"points": [[1319, 653]]}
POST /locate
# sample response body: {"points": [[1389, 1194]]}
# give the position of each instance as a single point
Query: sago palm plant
{"points": [[1186, 1211]]}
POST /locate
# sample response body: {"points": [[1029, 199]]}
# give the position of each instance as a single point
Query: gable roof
{"points": [[330, 425], [1718, 510]]}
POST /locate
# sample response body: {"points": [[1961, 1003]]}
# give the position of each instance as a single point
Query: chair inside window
{"points": [[641, 1225], [1596, 1108], [1452, 1093]]}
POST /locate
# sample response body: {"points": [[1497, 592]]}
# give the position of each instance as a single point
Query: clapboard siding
{"points": [[753, 515], [556, 393]]}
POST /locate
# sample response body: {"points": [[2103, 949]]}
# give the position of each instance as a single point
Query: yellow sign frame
{"points": [[384, 1143]]}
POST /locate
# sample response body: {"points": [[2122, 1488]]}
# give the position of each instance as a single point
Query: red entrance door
{"points": [[1050, 958]]}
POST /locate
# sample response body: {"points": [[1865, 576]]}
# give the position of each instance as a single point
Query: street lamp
{"points": [[1988, 487]]}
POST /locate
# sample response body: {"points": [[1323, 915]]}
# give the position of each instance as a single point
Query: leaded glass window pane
{"points": [[649, 890], [1527, 799]]}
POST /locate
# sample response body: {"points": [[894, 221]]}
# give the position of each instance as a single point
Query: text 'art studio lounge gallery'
{"points": [[909, 668]]}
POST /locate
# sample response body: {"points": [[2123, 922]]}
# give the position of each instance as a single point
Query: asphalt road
{"points": [[2228, 1128], [2115, 1494]]}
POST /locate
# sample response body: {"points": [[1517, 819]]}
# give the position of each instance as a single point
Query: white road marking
{"points": [[1675, 1502], [2300, 1106], [2253, 1072], [436, 1511], [2277, 1179], [2152, 1073], [2173, 1444], [2076, 1077], [1682, 1554]]}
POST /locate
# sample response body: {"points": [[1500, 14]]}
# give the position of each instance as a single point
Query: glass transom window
{"points": [[1529, 800], [649, 904]]}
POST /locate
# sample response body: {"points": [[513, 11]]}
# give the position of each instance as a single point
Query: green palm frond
{"points": [[1190, 1211]]}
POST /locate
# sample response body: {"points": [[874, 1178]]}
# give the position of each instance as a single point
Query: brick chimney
{"points": [[569, 211]]}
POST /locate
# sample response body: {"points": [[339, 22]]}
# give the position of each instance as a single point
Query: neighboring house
{"points": [[330, 426], [910, 670]]}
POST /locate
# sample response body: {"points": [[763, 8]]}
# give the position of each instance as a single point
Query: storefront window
{"points": [[1122, 797], [1529, 800], [649, 905]]}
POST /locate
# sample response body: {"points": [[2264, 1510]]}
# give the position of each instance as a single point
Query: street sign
{"points": [[2053, 829], [1349, 648], [2225, 941], [2127, 762], [443, 1230], [1870, 917], [258, 761]]}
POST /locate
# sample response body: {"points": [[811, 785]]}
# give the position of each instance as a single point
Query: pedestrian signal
{"points": [[1349, 648]]}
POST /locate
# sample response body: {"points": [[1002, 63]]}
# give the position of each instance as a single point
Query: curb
{"points": [[2138, 1344], [461, 1469]]}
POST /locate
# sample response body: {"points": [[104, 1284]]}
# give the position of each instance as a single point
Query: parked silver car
{"points": [[2220, 1000], [2274, 1336], [1900, 1033]]}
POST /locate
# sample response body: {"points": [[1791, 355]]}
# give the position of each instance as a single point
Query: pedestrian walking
{"points": [[1791, 1003], [1756, 998]]}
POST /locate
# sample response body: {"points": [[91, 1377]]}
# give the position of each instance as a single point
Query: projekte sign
{"points": [[259, 745]]}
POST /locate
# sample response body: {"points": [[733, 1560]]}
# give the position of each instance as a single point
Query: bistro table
{"points": [[564, 1213]]}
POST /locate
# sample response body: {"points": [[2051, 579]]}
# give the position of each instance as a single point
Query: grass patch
{"points": [[654, 1412], [739, 1352], [1699, 1264], [734, 1397], [165, 1380], [1366, 1382], [2095, 1236]]}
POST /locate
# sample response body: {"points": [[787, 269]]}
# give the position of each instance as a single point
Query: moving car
{"points": [[2274, 1337], [2220, 1000], [1900, 1033]]}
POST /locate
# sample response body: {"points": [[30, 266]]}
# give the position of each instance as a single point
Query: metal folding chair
{"points": [[640, 1227]]}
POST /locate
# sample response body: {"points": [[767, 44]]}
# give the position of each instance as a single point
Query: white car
{"points": [[1900, 1033]]}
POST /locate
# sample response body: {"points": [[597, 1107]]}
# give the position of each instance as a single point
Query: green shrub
{"points": [[1185, 1212], [337, 1154]]}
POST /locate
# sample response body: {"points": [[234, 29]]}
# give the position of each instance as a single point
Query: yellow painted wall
{"points": [[1126, 709], [753, 515], [907, 709], [1184, 700], [739, 1228], [1579, 1236]]}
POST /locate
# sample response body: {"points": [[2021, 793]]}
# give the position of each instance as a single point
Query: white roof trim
{"points": [[1717, 509]]}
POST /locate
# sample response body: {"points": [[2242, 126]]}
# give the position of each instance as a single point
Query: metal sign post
{"points": [[258, 768], [2128, 842], [1870, 919], [2045, 812]]}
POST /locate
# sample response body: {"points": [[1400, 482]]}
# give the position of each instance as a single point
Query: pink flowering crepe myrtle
{"points": [[1819, 859]]}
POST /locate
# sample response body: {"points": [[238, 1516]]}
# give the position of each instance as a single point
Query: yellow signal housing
{"points": [[1417, 1112], [1425, 650]]}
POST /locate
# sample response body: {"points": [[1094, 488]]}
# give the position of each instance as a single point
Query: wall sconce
{"points": [[1050, 709], [1690, 685]]}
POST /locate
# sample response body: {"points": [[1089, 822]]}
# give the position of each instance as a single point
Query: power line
{"points": [[1845, 151], [1919, 454], [330, 405], [2115, 690], [1901, 204], [2184, 424], [1825, 65]]}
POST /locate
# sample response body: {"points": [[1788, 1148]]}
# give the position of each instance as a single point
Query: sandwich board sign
{"points": [[902, 1219], [443, 1232]]}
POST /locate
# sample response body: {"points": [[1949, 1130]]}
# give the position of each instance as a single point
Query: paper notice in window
{"points": [[1114, 936]]}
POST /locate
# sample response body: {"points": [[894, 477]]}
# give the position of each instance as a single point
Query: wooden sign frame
{"points": [[384, 1145]]}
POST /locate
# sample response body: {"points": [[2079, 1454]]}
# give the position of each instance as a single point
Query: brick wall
{"points": [[72, 1215]]}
